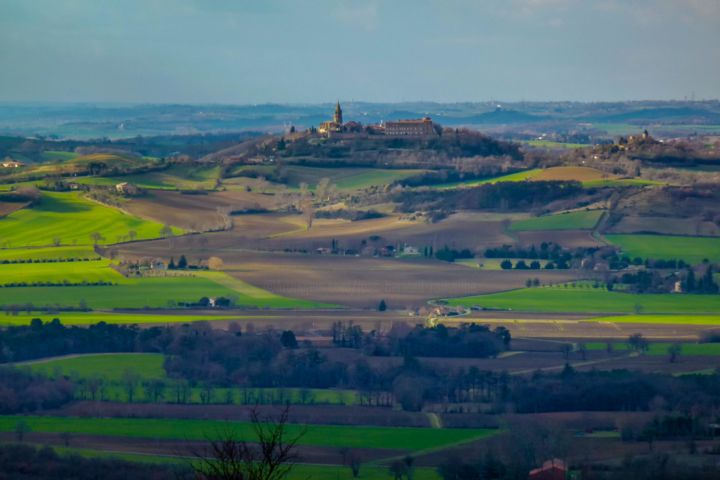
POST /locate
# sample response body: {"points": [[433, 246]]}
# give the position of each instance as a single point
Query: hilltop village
{"points": [[422, 127]]}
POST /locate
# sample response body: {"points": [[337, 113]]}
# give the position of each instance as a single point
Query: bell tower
{"points": [[337, 118]]}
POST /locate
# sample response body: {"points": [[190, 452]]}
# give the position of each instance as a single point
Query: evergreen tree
{"points": [[171, 265], [690, 281], [182, 263], [382, 306]]}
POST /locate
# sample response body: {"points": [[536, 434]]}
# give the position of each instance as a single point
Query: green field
{"points": [[590, 300], [46, 253], [71, 219], [153, 292], [661, 348], [411, 439], [661, 319], [108, 366], [111, 368], [72, 272], [664, 247], [582, 220], [512, 177], [55, 156]]}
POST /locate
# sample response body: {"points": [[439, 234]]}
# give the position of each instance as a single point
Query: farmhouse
{"points": [[554, 469], [10, 163], [126, 188]]}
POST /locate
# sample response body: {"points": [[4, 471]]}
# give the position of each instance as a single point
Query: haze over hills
{"points": [[605, 119]]}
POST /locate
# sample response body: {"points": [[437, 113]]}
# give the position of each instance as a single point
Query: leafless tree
{"points": [[270, 457]]}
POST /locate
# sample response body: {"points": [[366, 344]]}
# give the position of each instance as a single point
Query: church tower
{"points": [[337, 118]]}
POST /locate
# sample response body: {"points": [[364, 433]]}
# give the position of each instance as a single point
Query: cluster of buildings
{"points": [[421, 127]]}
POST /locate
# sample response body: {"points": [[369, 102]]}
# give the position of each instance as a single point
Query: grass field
{"points": [[411, 439], [108, 366], [690, 249], [301, 471], [581, 220], [112, 367], [72, 272], [661, 319], [89, 318], [579, 300], [71, 219], [661, 348], [55, 156], [46, 253], [152, 292]]}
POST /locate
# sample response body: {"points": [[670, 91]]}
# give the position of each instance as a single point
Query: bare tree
{"points": [[352, 459], [674, 352], [271, 457]]}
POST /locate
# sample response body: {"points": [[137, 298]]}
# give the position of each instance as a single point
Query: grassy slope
{"points": [[556, 299], [581, 220], [661, 348], [72, 219], [690, 249], [412, 439]]}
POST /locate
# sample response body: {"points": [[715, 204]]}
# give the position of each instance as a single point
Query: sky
{"points": [[311, 51]]}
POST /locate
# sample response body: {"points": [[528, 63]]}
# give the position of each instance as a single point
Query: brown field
{"points": [[195, 212], [566, 238], [363, 282], [475, 231], [666, 225], [581, 174], [6, 208]]}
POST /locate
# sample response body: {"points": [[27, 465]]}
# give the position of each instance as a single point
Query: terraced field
{"points": [[176, 177], [691, 249], [71, 219]]}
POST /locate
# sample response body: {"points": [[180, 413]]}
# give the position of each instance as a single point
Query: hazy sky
{"points": [[236, 51]]}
